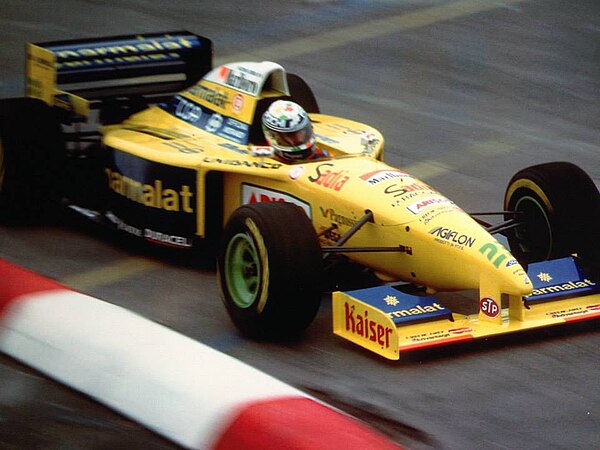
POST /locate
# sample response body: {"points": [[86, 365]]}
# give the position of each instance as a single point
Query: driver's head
{"points": [[288, 130]]}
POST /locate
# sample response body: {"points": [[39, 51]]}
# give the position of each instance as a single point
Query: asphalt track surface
{"points": [[466, 93]]}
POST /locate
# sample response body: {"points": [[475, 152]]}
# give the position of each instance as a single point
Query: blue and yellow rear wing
{"points": [[73, 74]]}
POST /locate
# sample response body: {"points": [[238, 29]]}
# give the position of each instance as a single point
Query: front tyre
{"points": [[558, 206], [269, 270]]}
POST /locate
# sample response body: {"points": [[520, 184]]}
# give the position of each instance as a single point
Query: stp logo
{"points": [[489, 307]]}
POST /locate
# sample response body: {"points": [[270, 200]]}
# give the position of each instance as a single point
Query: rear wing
{"points": [[77, 75]]}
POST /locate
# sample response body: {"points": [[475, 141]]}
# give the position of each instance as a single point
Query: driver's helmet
{"points": [[288, 130]]}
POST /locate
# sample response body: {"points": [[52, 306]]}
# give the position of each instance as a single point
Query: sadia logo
{"points": [[328, 178], [399, 190]]}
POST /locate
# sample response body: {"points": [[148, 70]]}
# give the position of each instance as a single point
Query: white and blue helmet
{"points": [[288, 130]]}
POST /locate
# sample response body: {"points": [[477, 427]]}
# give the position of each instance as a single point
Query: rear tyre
{"points": [[558, 206], [269, 270], [301, 93], [32, 156]]}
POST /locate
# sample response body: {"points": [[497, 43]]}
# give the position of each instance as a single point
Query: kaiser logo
{"points": [[361, 325], [489, 307]]}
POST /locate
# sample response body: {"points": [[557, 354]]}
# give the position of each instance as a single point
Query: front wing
{"points": [[389, 322]]}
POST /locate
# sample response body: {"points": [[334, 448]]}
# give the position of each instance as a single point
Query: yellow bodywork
{"points": [[448, 250], [42, 82], [443, 247], [439, 246]]}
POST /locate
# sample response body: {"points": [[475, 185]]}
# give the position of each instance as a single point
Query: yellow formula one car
{"points": [[142, 134]]}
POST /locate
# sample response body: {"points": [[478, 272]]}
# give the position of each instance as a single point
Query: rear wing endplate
{"points": [[73, 74]]}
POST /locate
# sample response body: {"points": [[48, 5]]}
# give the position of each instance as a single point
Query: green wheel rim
{"points": [[242, 270]]}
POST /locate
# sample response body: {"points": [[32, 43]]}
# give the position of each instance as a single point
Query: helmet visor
{"points": [[294, 141]]}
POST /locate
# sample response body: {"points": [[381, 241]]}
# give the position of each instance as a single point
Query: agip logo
{"points": [[255, 194]]}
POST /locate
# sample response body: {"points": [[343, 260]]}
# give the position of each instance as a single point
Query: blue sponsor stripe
{"points": [[208, 120], [133, 41], [559, 278], [402, 308]]}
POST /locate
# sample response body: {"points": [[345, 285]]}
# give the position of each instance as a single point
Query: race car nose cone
{"points": [[521, 284], [508, 274]]}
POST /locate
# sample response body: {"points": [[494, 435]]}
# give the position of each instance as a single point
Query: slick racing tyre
{"points": [[558, 206], [269, 269], [301, 93], [31, 159]]}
